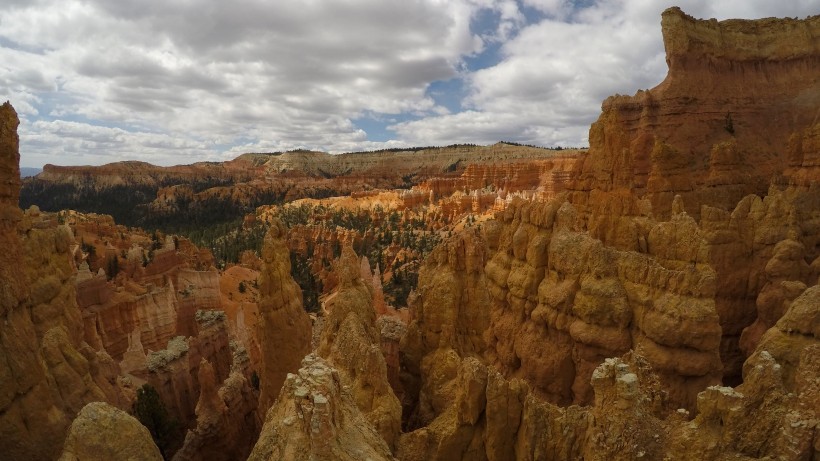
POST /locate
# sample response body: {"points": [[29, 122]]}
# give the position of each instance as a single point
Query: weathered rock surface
{"points": [[174, 371], [351, 343], [450, 315], [101, 432], [317, 418], [284, 328], [226, 420], [701, 135], [764, 418], [563, 302], [657, 247], [47, 372]]}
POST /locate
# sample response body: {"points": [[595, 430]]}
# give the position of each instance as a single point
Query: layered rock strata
{"points": [[656, 247], [317, 418], [351, 343], [47, 372], [701, 135], [284, 327]]}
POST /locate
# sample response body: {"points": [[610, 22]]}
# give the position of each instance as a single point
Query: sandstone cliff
{"points": [[351, 343], [47, 372], [284, 328], [701, 135], [660, 246]]}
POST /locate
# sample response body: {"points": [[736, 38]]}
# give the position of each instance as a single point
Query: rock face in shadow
{"points": [[351, 343], [226, 420], [101, 432], [449, 316], [47, 372], [284, 329]]}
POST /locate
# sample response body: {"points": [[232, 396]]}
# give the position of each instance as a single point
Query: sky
{"points": [[176, 82]]}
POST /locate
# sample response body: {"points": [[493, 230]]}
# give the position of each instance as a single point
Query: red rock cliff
{"points": [[47, 372], [737, 108]]}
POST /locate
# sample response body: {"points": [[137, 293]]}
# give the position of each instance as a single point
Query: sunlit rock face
{"points": [[352, 344], [317, 418], [702, 135], [688, 235]]}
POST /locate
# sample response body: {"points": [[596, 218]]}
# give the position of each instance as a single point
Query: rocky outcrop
{"points": [[226, 421], [796, 330], [700, 135], [764, 418], [351, 343], [449, 318], [493, 418], [111, 314], [101, 432], [174, 371], [556, 289], [14, 286], [317, 418], [47, 372], [284, 328], [196, 290], [549, 176], [656, 247], [239, 291]]}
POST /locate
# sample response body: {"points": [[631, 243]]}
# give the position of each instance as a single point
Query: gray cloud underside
{"points": [[175, 82]]}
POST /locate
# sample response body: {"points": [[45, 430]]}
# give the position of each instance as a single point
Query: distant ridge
{"points": [[25, 172]]}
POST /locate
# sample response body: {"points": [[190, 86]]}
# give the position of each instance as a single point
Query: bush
{"points": [[151, 412]]}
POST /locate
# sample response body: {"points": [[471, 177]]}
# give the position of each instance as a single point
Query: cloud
{"points": [[554, 73], [177, 82]]}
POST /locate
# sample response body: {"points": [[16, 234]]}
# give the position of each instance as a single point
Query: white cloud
{"points": [[206, 79], [554, 74]]}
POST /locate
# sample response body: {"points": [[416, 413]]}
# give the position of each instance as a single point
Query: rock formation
{"points": [[284, 329], [316, 418], [449, 318], [101, 432], [226, 421], [605, 314], [351, 343], [700, 135], [174, 371], [656, 247], [557, 289], [47, 372]]}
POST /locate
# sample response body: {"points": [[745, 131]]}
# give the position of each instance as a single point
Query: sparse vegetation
{"points": [[151, 412]]}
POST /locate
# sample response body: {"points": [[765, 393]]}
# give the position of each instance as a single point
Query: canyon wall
{"points": [[686, 241], [284, 328], [700, 134], [47, 372]]}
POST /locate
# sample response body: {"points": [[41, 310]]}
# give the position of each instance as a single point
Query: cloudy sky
{"points": [[170, 82]]}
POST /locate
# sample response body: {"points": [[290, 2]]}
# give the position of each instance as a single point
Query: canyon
{"points": [[654, 297]]}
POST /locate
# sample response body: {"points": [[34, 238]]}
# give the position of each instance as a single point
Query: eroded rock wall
{"points": [[352, 344], [284, 329], [47, 372]]}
